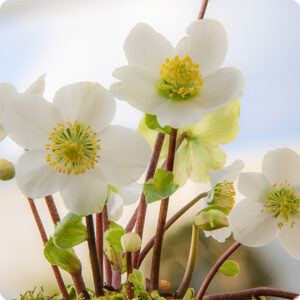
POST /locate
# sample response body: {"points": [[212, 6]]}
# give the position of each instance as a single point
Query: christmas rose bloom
{"points": [[272, 203], [177, 84], [72, 148], [8, 91], [222, 194]]}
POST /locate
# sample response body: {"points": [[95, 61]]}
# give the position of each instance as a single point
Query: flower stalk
{"points": [[97, 276], [154, 279], [169, 223], [184, 285], [130, 293], [202, 9], [44, 237], [141, 214], [99, 240], [215, 269]]}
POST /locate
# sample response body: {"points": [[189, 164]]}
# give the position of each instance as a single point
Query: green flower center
{"points": [[283, 203], [224, 194], [72, 148], [180, 78]]}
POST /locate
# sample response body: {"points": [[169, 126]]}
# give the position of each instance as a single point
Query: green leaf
{"points": [[225, 210], [137, 279], [189, 295], [230, 268], [113, 238], [63, 258], [155, 295], [160, 187], [70, 232], [152, 123]]}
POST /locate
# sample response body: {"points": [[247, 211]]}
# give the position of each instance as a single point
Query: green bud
{"points": [[131, 242], [211, 220], [7, 170]]}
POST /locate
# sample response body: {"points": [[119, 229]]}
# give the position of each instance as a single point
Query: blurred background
{"points": [[72, 40]]}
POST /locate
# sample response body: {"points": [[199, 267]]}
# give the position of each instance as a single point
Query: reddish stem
{"points": [[202, 9], [154, 278], [99, 240], [77, 278], [215, 269], [116, 279], [98, 282], [172, 220], [132, 221], [108, 271], [141, 215], [44, 237], [256, 292], [130, 293]]}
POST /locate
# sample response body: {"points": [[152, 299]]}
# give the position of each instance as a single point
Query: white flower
{"points": [[71, 147], [222, 194], [272, 203], [8, 91], [177, 84], [121, 196]]}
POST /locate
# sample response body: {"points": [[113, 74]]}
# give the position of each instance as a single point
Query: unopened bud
{"points": [[7, 170], [211, 220], [131, 242]]}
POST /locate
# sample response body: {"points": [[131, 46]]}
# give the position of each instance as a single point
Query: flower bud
{"points": [[211, 220], [7, 170], [131, 242]]}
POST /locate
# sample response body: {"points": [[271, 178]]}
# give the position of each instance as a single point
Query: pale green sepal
{"points": [[69, 232], [211, 220], [230, 268], [66, 259], [152, 123], [160, 187], [225, 210], [189, 295], [155, 295]]}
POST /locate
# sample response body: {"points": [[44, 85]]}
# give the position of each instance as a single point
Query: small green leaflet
{"points": [[70, 232], [230, 268], [63, 258], [152, 123], [160, 187]]}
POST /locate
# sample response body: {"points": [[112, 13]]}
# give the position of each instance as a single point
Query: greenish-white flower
{"points": [[178, 84], [8, 91], [71, 146], [272, 203], [200, 151]]}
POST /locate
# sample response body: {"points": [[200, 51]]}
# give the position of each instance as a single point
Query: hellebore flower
{"points": [[177, 84]]}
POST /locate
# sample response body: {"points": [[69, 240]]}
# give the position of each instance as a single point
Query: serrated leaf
{"points": [[66, 259], [160, 187], [230, 268], [152, 123], [70, 232]]}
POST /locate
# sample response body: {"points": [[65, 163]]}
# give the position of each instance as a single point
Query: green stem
{"points": [[141, 214], [154, 279], [215, 269], [98, 280], [170, 222], [184, 285]]}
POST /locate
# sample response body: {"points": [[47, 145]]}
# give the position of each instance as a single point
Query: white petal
{"points": [[29, 119], [180, 114], [289, 238], [87, 102], [130, 193], [35, 177], [115, 207], [206, 44], [138, 92], [147, 49], [252, 227], [254, 185], [220, 234], [124, 155], [220, 88], [85, 194], [7, 91], [131, 72], [229, 173], [282, 164], [37, 87], [2, 133]]}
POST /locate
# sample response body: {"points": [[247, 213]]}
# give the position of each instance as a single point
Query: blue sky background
{"points": [[82, 40]]}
